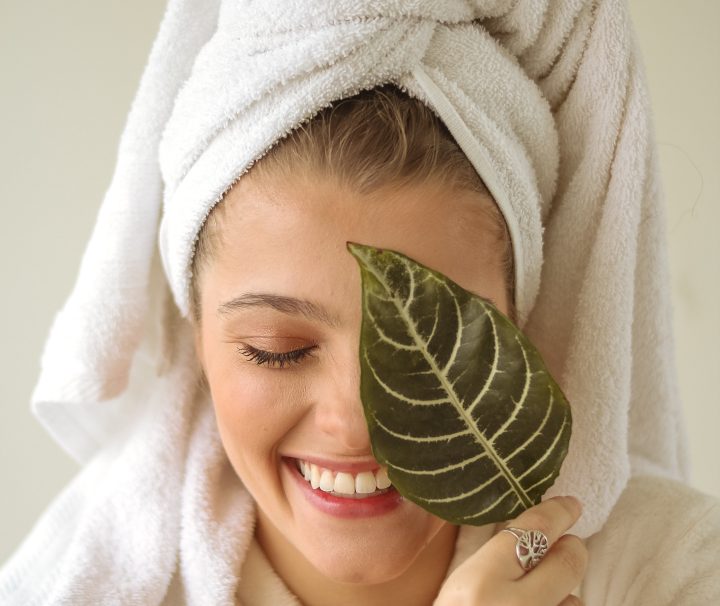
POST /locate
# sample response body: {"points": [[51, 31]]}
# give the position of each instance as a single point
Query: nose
{"points": [[339, 410]]}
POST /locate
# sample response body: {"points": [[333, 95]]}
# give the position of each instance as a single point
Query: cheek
{"points": [[255, 410]]}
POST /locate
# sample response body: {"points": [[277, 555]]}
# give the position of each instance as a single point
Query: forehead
{"points": [[290, 238], [394, 213]]}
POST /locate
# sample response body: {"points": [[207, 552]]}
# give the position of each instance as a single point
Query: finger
{"points": [[565, 564], [551, 517]]}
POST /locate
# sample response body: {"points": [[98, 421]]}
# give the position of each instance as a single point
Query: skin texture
{"points": [[289, 239]]}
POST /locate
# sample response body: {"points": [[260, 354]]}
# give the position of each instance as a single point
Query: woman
{"points": [[378, 168], [197, 384]]}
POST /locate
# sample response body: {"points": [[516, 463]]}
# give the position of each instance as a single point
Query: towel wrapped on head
{"points": [[266, 75], [549, 103]]}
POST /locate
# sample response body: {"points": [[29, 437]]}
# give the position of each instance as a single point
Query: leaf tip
{"points": [[353, 247], [362, 252]]}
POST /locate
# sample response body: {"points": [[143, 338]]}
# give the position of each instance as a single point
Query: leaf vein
{"points": [[519, 404], [410, 438], [464, 495], [439, 469], [398, 395]]}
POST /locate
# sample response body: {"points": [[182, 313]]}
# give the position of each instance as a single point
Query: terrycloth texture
{"points": [[547, 99], [658, 548]]}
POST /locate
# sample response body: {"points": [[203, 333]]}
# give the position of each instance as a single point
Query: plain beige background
{"points": [[69, 72]]}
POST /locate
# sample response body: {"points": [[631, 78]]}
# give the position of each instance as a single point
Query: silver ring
{"points": [[531, 546]]}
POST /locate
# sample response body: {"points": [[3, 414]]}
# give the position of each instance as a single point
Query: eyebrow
{"points": [[287, 305]]}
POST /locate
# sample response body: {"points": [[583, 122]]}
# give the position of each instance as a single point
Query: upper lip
{"points": [[346, 465]]}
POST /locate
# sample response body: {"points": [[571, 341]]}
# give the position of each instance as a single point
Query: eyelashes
{"points": [[275, 359]]}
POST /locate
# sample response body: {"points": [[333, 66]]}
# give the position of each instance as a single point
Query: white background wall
{"points": [[69, 71]]}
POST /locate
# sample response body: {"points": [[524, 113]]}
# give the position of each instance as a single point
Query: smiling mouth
{"points": [[344, 485]]}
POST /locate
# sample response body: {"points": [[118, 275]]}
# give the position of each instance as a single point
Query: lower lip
{"points": [[345, 508]]}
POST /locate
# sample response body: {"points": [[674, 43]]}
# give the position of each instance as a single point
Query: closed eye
{"points": [[273, 359]]}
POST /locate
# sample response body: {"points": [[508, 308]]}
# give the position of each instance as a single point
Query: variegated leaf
{"points": [[458, 402]]}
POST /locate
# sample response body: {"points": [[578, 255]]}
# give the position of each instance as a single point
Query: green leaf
{"points": [[458, 402]]}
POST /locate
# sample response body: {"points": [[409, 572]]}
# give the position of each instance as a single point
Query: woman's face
{"points": [[289, 240]]}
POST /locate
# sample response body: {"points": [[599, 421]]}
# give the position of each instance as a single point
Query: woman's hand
{"points": [[492, 576]]}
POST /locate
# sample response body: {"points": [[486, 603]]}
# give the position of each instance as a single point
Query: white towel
{"points": [[548, 101]]}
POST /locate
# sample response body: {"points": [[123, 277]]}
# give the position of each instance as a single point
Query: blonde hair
{"points": [[377, 138]]}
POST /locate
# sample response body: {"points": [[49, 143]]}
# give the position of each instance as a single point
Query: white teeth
{"points": [[365, 482], [327, 482], [344, 483], [314, 476], [381, 478]]}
